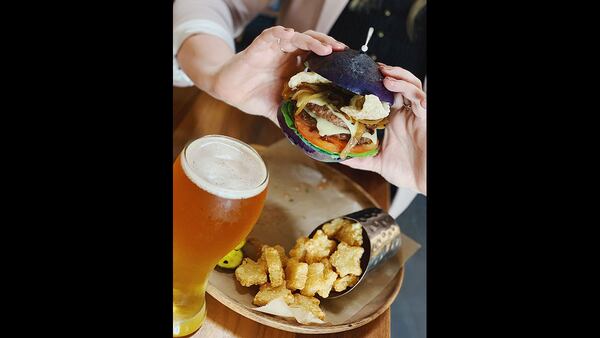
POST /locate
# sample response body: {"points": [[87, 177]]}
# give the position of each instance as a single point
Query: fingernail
{"points": [[424, 104]]}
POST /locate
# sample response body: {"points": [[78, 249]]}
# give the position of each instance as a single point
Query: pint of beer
{"points": [[219, 188]]}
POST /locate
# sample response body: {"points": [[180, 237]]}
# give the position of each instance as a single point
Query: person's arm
{"points": [[209, 27], [201, 57], [403, 156], [252, 79]]}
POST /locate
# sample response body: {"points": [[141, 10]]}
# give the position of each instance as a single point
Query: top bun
{"points": [[353, 71]]}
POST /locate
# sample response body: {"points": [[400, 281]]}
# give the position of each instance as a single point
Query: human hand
{"points": [[252, 80], [402, 159]]}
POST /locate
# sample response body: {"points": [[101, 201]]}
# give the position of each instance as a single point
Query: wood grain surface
{"points": [[196, 114]]}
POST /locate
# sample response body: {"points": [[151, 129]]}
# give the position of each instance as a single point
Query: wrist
{"points": [[196, 72], [420, 181], [405, 176], [203, 66]]}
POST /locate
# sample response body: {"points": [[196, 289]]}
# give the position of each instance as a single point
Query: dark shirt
{"points": [[390, 42]]}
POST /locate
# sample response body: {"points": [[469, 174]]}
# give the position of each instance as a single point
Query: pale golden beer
{"points": [[219, 188]]}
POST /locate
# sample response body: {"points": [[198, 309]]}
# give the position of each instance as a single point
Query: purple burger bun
{"points": [[350, 70], [353, 71]]}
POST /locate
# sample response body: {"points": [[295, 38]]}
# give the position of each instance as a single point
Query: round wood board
{"points": [[303, 194]]}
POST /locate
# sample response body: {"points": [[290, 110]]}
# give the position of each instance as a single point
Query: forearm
{"points": [[223, 19], [201, 57]]}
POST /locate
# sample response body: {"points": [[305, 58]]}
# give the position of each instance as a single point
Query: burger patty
{"points": [[312, 122], [325, 112]]}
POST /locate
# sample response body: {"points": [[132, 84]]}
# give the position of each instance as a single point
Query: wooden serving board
{"points": [[302, 194]]}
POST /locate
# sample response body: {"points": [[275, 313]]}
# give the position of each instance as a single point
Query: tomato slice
{"points": [[331, 143]]}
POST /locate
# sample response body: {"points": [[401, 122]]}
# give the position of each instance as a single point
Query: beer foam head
{"points": [[225, 167]]}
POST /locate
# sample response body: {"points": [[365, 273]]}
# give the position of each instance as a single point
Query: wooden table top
{"points": [[196, 114]]}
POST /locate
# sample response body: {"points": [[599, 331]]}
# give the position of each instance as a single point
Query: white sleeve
{"points": [[187, 29], [222, 18]]}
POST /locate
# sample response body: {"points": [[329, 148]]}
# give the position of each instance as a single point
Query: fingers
{"points": [[308, 43], [408, 91], [402, 81], [400, 74], [272, 34], [290, 42], [335, 44]]}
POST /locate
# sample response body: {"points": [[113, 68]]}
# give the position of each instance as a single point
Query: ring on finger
{"points": [[280, 48]]}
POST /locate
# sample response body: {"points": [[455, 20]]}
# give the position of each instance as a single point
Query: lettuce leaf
{"points": [[287, 108]]}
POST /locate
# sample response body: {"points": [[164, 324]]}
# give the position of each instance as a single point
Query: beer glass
{"points": [[219, 189]]}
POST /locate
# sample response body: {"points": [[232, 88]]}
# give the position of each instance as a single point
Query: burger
{"points": [[334, 108]]}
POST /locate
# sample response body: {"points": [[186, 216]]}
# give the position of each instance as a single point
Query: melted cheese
{"points": [[320, 101], [353, 127], [327, 128], [372, 109], [349, 124], [306, 77], [372, 137]]}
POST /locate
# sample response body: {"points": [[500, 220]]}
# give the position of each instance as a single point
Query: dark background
{"points": [[390, 43], [87, 130]]}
